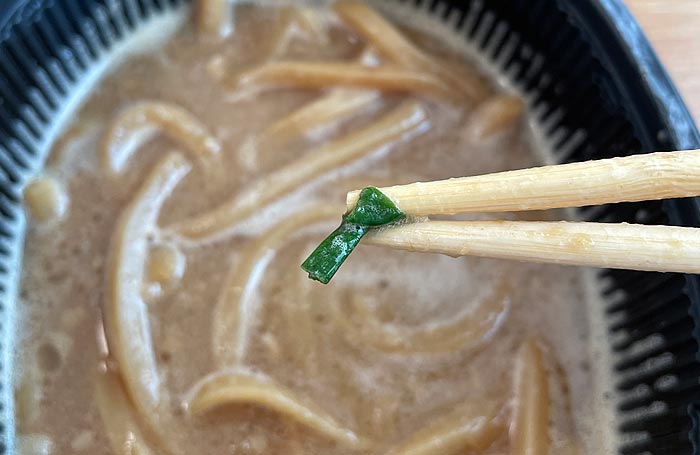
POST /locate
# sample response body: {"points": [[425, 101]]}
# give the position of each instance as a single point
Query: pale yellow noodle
{"points": [[310, 21], [473, 426], [253, 389], [406, 119], [378, 32], [466, 330], [529, 431], [384, 36], [290, 23], [119, 421], [236, 312], [126, 314], [494, 116], [280, 34], [329, 108], [214, 18], [322, 75], [140, 121], [293, 21], [457, 71]]}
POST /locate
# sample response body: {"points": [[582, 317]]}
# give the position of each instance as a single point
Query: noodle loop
{"points": [[246, 388], [141, 121], [126, 314]]}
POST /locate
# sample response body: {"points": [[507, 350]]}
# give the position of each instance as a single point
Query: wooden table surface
{"points": [[673, 27]]}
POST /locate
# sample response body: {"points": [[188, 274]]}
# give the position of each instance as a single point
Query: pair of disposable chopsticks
{"points": [[628, 246]]}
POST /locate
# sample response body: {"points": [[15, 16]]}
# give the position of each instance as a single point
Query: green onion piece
{"points": [[330, 254], [374, 209]]}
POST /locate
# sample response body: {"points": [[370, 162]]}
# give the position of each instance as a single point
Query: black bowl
{"points": [[595, 83]]}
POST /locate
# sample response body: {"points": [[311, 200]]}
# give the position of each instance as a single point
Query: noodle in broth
{"points": [[250, 126]]}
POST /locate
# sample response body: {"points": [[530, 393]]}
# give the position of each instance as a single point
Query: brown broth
{"points": [[383, 396]]}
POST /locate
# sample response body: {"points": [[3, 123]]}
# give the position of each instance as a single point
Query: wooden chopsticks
{"points": [[662, 175], [629, 246], [617, 246]]}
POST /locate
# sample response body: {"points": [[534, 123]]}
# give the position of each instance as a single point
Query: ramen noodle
{"points": [[163, 310]]}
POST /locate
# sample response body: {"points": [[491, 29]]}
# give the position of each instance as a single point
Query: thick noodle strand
{"points": [[494, 116], [235, 313], [333, 106], [329, 108], [473, 426], [297, 21], [243, 387], [381, 34], [140, 121], [126, 313], [119, 421], [529, 431], [406, 119], [214, 18], [314, 75]]}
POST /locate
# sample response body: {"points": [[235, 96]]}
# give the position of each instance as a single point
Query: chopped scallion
{"points": [[373, 210]]}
